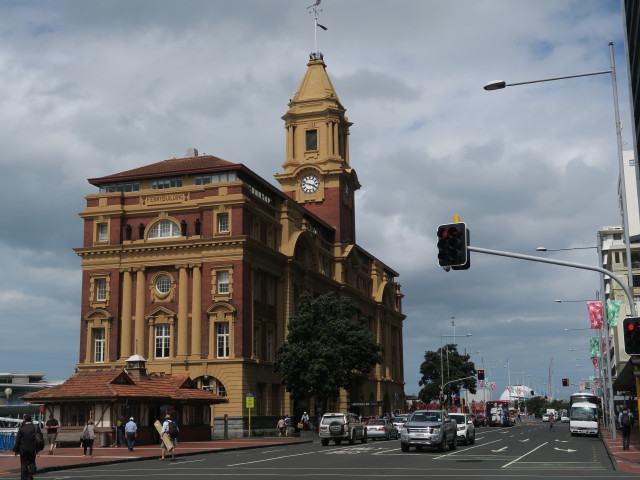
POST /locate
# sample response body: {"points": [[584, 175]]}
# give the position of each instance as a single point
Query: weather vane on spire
{"points": [[314, 10]]}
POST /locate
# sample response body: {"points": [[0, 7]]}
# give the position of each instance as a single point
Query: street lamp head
{"points": [[495, 85], [541, 249]]}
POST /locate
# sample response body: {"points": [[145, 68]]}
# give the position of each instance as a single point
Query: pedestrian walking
{"points": [[625, 420], [88, 437], [552, 420], [287, 424], [26, 447], [131, 432], [171, 429], [281, 427], [52, 432]]}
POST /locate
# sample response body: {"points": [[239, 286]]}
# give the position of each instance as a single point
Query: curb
{"points": [[55, 468]]}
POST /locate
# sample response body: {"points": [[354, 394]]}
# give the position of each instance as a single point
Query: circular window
{"points": [[163, 284]]}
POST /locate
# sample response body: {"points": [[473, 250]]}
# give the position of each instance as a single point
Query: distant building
{"points": [[13, 386], [197, 264]]}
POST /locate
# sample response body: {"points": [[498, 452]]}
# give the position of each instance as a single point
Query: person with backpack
{"points": [[625, 420], [171, 429], [29, 442]]}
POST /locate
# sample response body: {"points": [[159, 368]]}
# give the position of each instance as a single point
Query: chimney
{"points": [[191, 152]]}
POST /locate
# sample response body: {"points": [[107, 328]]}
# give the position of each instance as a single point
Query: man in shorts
{"points": [[52, 432]]}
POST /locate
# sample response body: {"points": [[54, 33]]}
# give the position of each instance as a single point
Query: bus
{"points": [[584, 419], [500, 413]]}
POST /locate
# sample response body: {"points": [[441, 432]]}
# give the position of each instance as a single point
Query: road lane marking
{"points": [[466, 449], [529, 452], [274, 458]]}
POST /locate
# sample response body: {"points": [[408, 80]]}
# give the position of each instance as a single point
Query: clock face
{"points": [[309, 184]]}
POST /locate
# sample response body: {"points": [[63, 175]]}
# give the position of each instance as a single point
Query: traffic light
{"points": [[532, 393], [565, 382], [631, 327], [480, 374], [452, 246]]}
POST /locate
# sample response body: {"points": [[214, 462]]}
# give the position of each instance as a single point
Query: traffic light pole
{"points": [[632, 304], [532, 258]]}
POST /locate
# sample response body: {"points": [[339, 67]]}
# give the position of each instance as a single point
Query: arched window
{"points": [[165, 229]]}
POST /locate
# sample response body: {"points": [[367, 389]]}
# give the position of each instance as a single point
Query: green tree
{"points": [[454, 367], [327, 345]]}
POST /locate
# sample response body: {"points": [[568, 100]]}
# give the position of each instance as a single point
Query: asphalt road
{"points": [[523, 451]]}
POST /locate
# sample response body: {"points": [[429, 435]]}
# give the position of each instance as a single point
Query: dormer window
{"points": [[311, 140], [166, 183], [165, 229]]}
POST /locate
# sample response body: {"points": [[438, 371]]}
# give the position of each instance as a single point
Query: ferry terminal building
{"points": [[196, 264]]}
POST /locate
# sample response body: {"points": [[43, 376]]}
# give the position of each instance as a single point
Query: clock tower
{"points": [[316, 169]]}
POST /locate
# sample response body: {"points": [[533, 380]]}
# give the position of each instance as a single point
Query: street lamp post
{"points": [[500, 84], [545, 249]]}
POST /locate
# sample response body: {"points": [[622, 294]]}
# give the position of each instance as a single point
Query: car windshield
{"points": [[457, 418], [327, 419], [376, 421], [426, 417]]}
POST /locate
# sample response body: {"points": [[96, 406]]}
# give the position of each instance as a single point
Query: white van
{"points": [[584, 419]]}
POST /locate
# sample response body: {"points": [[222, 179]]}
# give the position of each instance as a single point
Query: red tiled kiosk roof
{"points": [[117, 384], [173, 166]]}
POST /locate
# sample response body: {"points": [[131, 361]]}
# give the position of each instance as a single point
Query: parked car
{"points": [[545, 417], [429, 428], [341, 426], [381, 428], [466, 430], [564, 419]]}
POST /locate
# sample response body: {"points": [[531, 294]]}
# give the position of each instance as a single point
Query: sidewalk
{"points": [[64, 458], [623, 460]]}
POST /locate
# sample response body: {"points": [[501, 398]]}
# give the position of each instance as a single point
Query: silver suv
{"points": [[341, 426], [429, 428]]}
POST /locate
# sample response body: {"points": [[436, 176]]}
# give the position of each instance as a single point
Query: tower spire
{"points": [[314, 11]]}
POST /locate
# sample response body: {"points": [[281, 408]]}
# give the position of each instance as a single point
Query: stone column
{"points": [[125, 335], [183, 310], [139, 345], [196, 312]]}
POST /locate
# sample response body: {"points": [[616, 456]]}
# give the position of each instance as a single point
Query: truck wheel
{"points": [[454, 444], [325, 442], [472, 440], [364, 438], [443, 444], [352, 439], [404, 447]]}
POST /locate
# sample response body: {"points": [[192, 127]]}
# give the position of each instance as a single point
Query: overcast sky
{"points": [[92, 88]]}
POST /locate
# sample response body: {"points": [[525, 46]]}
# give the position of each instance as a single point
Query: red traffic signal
{"points": [[631, 329], [452, 246], [480, 374], [565, 382]]}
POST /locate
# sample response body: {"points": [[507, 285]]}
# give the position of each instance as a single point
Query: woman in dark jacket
{"points": [[25, 446]]}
